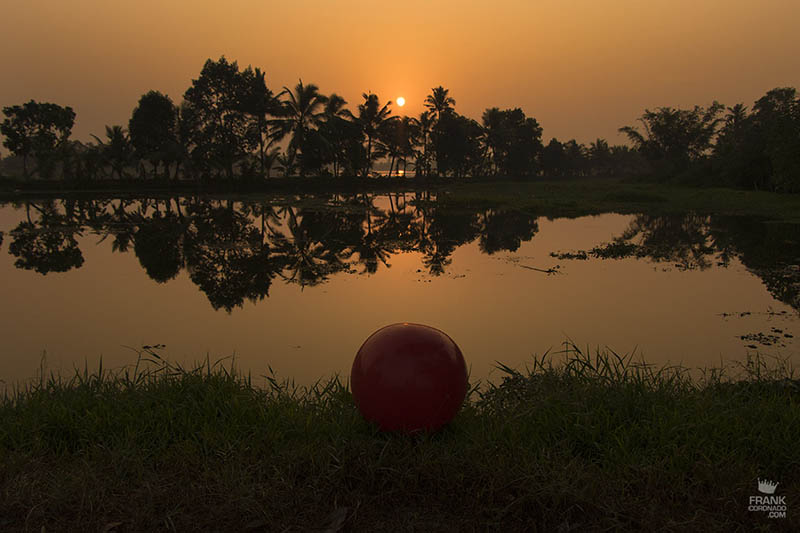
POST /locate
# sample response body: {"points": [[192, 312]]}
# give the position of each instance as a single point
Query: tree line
{"points": [[231, 126]]}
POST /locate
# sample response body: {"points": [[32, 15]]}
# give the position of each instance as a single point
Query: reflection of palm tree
{"points": [[307, 260], [440, 231], [397, 231], [120, 225], [371, 246]]}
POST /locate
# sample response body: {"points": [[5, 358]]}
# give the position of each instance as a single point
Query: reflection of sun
{"points": [[401, 101]]}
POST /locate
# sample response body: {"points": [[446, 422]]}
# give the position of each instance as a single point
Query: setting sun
{"points": [[401, 101]]}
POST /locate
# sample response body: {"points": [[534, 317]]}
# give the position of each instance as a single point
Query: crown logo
{"points": [[766, 486]]}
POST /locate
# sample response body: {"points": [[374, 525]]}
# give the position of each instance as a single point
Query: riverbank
{"points": [[596, 442], [579, 197], [548, 197]]}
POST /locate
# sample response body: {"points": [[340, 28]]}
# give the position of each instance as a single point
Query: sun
{"points": [[401, 101]]}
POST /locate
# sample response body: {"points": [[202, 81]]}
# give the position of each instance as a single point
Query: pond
{"points": [[297, 284]]}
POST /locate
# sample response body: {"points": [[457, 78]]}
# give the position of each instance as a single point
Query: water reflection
{"points": [[769, 250], [126, 272], [233, 251]]}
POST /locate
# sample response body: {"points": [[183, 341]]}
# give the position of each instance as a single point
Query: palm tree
{"points": [[286, 163], [118, 150], [261, 104], [396, 137], [494, 137], [334, 108], [371, 117], [438, 102], [337, 123], [270, 159], [423, 127], [600, 156], [300, 112]]}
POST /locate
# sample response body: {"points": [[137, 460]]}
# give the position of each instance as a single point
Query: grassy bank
{"points": [[548, 197], [579, 197], [593, 443]]}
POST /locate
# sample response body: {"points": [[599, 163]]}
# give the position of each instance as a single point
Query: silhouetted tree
{"points": [[674, 138], [576, 161], [116, 151], [457, 145], [439, 102], [153, 130], [600, 158], [261, 104], [396, 137], [301, 112], [37, 129], [776, 121], [423, 129], [372, 118], [553, 158], [187, 135], [341, 133], [513, 141], [219, 98]]}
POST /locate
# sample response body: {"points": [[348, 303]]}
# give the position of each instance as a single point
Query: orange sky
{"points": [[583, 68]]}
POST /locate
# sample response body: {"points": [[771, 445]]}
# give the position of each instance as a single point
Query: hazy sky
{"points": [[583, 68]]}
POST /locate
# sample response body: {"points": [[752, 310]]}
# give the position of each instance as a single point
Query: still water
{"points": [[298, 284]]}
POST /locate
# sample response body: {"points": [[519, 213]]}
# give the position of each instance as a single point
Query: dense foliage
{"points": [[231, 126]]}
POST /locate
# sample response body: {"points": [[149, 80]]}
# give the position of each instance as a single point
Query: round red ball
{"points": [[409, 377]]}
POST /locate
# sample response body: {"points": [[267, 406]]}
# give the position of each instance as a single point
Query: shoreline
{"points": [[594, 443]]}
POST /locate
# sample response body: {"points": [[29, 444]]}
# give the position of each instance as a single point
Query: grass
{"points": [[579, 441], [578, 197], [548, 197]]}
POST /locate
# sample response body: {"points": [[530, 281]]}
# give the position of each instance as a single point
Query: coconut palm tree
{"points": [[261, 104], [439, 102], [396, 137], [337, 129], [371, 117], [301, 111], [117, 151], [423, 127]]}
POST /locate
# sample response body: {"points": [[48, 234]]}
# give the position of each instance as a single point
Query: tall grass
{"points": [[579, 440]]}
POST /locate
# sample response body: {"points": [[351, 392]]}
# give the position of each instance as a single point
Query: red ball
{"points": [[409, 377]]}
